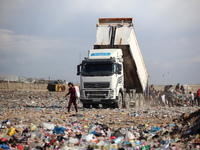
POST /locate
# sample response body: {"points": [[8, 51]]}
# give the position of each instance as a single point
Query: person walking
{"points": [[163, 101], [177, 87], [151, 94], [198, 97], [169, 98], [191, 98], [72, 99], [182, 89]]}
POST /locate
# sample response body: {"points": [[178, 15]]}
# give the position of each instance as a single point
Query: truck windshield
{"points": [[97, 69]]}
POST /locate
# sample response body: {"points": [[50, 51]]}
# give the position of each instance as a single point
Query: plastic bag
{"points": [[130, 135], [11, 131], [48, 126], [33, 127], [37, 134], [73, 140], [77, 93], [59, 130]]}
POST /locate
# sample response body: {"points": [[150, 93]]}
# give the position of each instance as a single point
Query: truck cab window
{"points": [[97, 69]]}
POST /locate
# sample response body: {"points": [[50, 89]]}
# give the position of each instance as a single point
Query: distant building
{"points": [[9, 78]]}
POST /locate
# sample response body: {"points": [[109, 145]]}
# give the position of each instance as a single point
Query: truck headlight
{"points": [[111, 93], [81, 94]]}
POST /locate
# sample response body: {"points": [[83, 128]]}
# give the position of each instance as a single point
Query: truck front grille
{"points": [[96, 94], [96, 84]]}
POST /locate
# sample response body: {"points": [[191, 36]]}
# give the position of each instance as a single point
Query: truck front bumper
{"points": [[98, 101]]}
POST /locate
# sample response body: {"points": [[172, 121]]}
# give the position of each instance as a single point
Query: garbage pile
{"points": [[181, 99], [39, 120]]}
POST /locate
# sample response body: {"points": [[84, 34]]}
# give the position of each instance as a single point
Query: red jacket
{"points": [[198, 93], [72, 91]]}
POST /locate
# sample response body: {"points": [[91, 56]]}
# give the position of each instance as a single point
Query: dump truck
{"points": [[114, 73], [58, 86]]}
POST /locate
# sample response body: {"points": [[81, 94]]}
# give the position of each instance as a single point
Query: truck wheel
{"points": [[127, 101], [118, 104], [86, 105]]}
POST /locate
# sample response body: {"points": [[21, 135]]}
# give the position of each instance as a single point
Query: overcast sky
{"points": [[45, 38]]}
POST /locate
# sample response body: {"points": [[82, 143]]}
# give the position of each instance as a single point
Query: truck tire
{"points": [[127, 101], [86, 105], [119, 102]]}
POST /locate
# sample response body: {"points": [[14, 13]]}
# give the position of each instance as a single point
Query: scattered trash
{"points": [[39, 120]]}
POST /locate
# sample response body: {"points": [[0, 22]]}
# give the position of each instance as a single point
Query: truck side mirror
{"points": [[119, 69], [78, 70]]}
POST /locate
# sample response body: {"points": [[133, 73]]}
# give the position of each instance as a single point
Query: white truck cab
{"points": [[101, 77]]}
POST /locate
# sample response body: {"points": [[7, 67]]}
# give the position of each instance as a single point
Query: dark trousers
{"points": [[192, 102], [72, 100], [170, 101], [198, 99]]}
